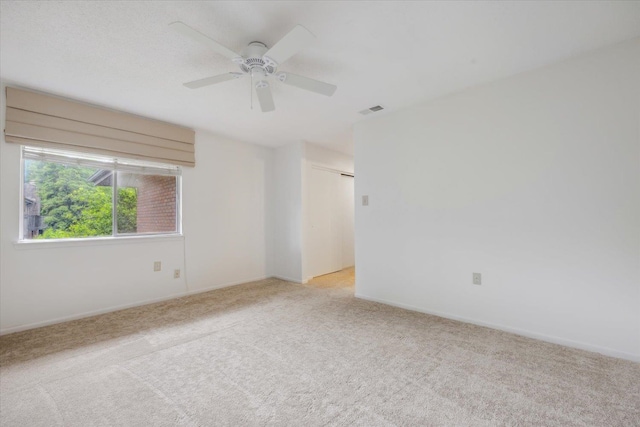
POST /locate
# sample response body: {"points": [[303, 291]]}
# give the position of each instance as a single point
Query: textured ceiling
{"points": [[123, 55]]}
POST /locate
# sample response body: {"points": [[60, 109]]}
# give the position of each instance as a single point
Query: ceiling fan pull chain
{"points": [[251, 90]]}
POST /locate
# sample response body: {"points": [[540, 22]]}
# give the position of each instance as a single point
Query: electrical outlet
{"points": [[157, 266], [477, 279], [365, 200], [176, 273]]}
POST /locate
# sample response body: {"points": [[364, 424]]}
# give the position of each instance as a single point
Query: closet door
{"points": [[325, 222]]}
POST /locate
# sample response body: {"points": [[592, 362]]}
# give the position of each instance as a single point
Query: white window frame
{"points": [[115, 164]]}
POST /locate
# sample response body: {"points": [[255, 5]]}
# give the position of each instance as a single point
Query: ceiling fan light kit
{"points": [[260, 63]]}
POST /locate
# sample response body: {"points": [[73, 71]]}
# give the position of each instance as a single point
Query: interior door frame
{"points": [[343, 173]]}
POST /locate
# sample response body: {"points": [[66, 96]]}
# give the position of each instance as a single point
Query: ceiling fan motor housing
{"points": [[252, 59]]}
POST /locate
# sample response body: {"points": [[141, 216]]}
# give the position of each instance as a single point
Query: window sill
{"points": [[96, 241]]}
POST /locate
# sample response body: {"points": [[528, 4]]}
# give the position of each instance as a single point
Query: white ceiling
{"points": [[123, 55]]}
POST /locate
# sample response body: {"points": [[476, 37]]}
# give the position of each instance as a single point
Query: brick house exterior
{"points": [[156, 204], [155, 196]]}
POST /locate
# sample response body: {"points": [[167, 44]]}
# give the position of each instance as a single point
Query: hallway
{"points": [[340, 279]]}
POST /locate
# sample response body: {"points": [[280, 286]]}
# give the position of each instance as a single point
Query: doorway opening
{"points": [[330, 225], [343, 279]]}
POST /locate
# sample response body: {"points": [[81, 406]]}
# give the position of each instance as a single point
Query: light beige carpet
{"points": [[276, 353]]}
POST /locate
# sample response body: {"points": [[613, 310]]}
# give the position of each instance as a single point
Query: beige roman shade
{"points": [[39, 120]]}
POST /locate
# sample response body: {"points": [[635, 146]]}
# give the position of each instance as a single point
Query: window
{"points": [[73, 195]]}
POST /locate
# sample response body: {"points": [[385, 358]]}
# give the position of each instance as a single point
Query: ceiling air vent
{"points": [[371, 110]]}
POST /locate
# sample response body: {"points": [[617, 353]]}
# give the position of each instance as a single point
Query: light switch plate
{"points": [[365, 200]]}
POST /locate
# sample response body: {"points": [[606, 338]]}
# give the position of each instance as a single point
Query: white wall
{"points": [[323, 253], [533, 181], [320, 156], [226, 216], [347, 195], [287, 212], [226, 237]]}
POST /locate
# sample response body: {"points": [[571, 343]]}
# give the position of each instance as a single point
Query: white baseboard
{"points": [[225, 285], [542, 337], [288, 279], [122, 307]]}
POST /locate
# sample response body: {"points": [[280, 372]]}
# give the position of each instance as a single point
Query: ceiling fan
{"points": [[259, 62]]}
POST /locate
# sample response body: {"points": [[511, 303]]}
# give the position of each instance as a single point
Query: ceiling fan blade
{"points": [[307, 84], [288, 46], [196, 35], [264, 96], [207, 81]]}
